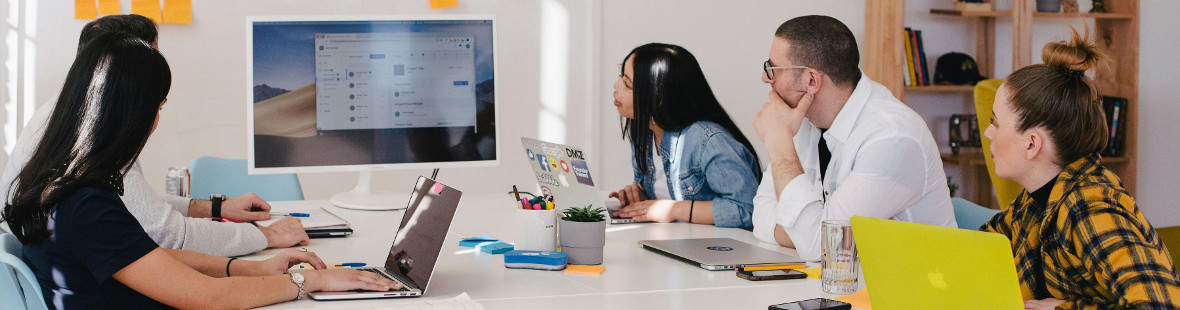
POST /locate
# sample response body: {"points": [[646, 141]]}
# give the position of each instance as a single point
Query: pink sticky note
{"points": [[438, 187]]}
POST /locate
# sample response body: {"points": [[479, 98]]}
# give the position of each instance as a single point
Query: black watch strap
{"points": [[216, 199]]}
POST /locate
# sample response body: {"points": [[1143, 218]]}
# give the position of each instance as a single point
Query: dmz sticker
{"points": [[720, 248], [582, 172]]}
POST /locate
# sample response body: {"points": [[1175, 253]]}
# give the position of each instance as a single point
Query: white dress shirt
{"points": [[885, 164], [162, 216]]}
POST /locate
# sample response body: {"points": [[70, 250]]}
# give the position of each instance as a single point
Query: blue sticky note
{"points": [[498, 247], [473, 242]]}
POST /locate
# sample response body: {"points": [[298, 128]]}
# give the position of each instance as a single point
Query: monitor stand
{"points": [[363, 197]]}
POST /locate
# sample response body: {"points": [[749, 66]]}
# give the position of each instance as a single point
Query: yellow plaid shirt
{"points": [[1090, 246]]}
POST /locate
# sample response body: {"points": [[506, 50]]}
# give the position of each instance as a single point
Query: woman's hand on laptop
{"points": [[280, 263], [651, 211], [338, 280], [630, 194]]}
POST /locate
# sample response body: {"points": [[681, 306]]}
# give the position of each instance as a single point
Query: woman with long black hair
{"points": [[85, 248], [691, 162]]}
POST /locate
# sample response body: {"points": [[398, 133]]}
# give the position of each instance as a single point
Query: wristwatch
{"points": [[216, 199], [298, 278]]}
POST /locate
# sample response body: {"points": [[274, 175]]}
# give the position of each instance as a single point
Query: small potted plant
{"points": [[583, 234]]}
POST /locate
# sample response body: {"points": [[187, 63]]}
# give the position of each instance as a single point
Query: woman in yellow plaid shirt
{"points": [[1079, 240]]}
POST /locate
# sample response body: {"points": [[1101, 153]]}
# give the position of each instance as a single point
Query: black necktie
{"points": [[825, 155]]}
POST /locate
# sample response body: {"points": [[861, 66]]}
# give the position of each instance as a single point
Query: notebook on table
{"points": [[320, 223]]}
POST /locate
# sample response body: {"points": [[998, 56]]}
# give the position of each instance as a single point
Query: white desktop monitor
{"points": [[366, 93]]}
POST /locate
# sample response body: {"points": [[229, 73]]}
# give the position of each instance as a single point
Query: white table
{"points": [[634, 279]]}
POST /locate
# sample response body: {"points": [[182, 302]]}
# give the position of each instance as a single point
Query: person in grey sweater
{"points": [[171, 221]]}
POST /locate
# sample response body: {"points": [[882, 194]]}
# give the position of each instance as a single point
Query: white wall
{"points": [[206, 110], [1159, 112]]}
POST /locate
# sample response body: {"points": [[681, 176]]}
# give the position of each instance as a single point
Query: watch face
{"points": [[297, 277]]}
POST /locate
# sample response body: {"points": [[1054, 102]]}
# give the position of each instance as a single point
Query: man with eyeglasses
{"points": [[839, 144]]}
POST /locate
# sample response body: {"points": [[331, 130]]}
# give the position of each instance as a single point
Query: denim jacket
{"points": [[704, 162]]}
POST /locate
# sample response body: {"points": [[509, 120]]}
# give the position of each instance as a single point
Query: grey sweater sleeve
{"points": [[171, 229]]}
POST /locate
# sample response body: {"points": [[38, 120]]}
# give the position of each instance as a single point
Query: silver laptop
{"points": [[564, 172], [417, 244], [718, 253]]}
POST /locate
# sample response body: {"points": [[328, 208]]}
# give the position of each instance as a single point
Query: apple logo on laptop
{"points": [[937, 279], [720, 248]]}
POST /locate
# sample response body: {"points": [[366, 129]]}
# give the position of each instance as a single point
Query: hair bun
{"points": [[1078, 54]]}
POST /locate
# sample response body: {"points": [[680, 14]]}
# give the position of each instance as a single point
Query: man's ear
{"points": [[814, 81]]}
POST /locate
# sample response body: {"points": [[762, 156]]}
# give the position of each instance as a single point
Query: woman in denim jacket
{"points": [[691, 161]]}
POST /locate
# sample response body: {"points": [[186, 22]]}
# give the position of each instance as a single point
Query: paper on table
{"points": [[859, 299], [318, 218], [461, 302]]}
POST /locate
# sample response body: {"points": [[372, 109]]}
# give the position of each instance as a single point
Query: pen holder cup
{"points": [[536, 230]]}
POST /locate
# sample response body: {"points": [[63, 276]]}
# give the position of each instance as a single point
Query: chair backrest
{"points": [[970, 215], [985, 97], [214, 175], [19, 288], [1171, 238]]}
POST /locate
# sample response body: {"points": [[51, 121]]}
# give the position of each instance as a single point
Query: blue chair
{"points": [[19, 288], [213, 175], [970, 215]]}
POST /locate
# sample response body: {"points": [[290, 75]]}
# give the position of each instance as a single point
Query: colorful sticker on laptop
{"points": [[582, 172]]}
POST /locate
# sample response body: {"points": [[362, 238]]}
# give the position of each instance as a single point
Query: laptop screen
{"points": [[420, 236]]}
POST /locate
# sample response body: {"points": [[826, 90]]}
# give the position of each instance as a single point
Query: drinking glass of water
{"points": [[840, 263]]}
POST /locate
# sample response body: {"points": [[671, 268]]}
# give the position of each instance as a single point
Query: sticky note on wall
{"points": [[108, 7], [147, 8], [442, 4], [85, 9], [178, 11]]}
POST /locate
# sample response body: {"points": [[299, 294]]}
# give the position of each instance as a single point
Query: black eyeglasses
{"points": [[770, 70]]}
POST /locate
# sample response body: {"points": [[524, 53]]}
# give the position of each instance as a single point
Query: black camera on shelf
{"points": [[964, 132]]}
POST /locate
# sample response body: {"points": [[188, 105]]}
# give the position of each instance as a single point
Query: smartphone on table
{"points": [[812, 304], [775, 274]]}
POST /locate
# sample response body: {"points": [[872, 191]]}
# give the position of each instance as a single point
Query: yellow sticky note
{"points": [[585, 269], [178, 11], [85, 9], [442, 4], [108, 7], [859, 299], [813, 272], [146, 8]]}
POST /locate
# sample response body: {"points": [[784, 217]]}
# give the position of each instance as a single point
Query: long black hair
{"points": [[670, 88], [136, 25], [102, 119]]}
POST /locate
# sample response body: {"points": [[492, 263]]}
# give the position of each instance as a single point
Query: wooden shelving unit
{"points": [[1116, 33], [941, 88]]}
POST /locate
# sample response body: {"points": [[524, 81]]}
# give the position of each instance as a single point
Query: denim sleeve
{"points": [[730, 172]]}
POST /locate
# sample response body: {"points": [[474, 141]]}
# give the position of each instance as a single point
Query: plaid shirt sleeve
{"points": [[1120, 250]]}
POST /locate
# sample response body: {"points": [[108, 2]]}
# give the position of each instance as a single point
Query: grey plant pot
{"points": [[583, 241], [1048, 5]]}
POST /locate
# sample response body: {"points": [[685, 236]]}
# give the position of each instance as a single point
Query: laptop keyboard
{"points": [[379, 272]]}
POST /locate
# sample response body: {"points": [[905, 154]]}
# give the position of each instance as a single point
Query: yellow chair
{"points": [[1171, 238], [985, 96]]}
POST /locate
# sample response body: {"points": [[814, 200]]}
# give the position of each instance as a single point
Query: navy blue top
{"points": [[92, 237]]}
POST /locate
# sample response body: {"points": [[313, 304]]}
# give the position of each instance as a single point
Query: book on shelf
{"points": [[1116, 114], [922, 58], [909, 59], [917, 72]]}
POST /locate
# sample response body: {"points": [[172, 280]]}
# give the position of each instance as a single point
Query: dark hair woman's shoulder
{"points": [[704, 127], [89, 200]]}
